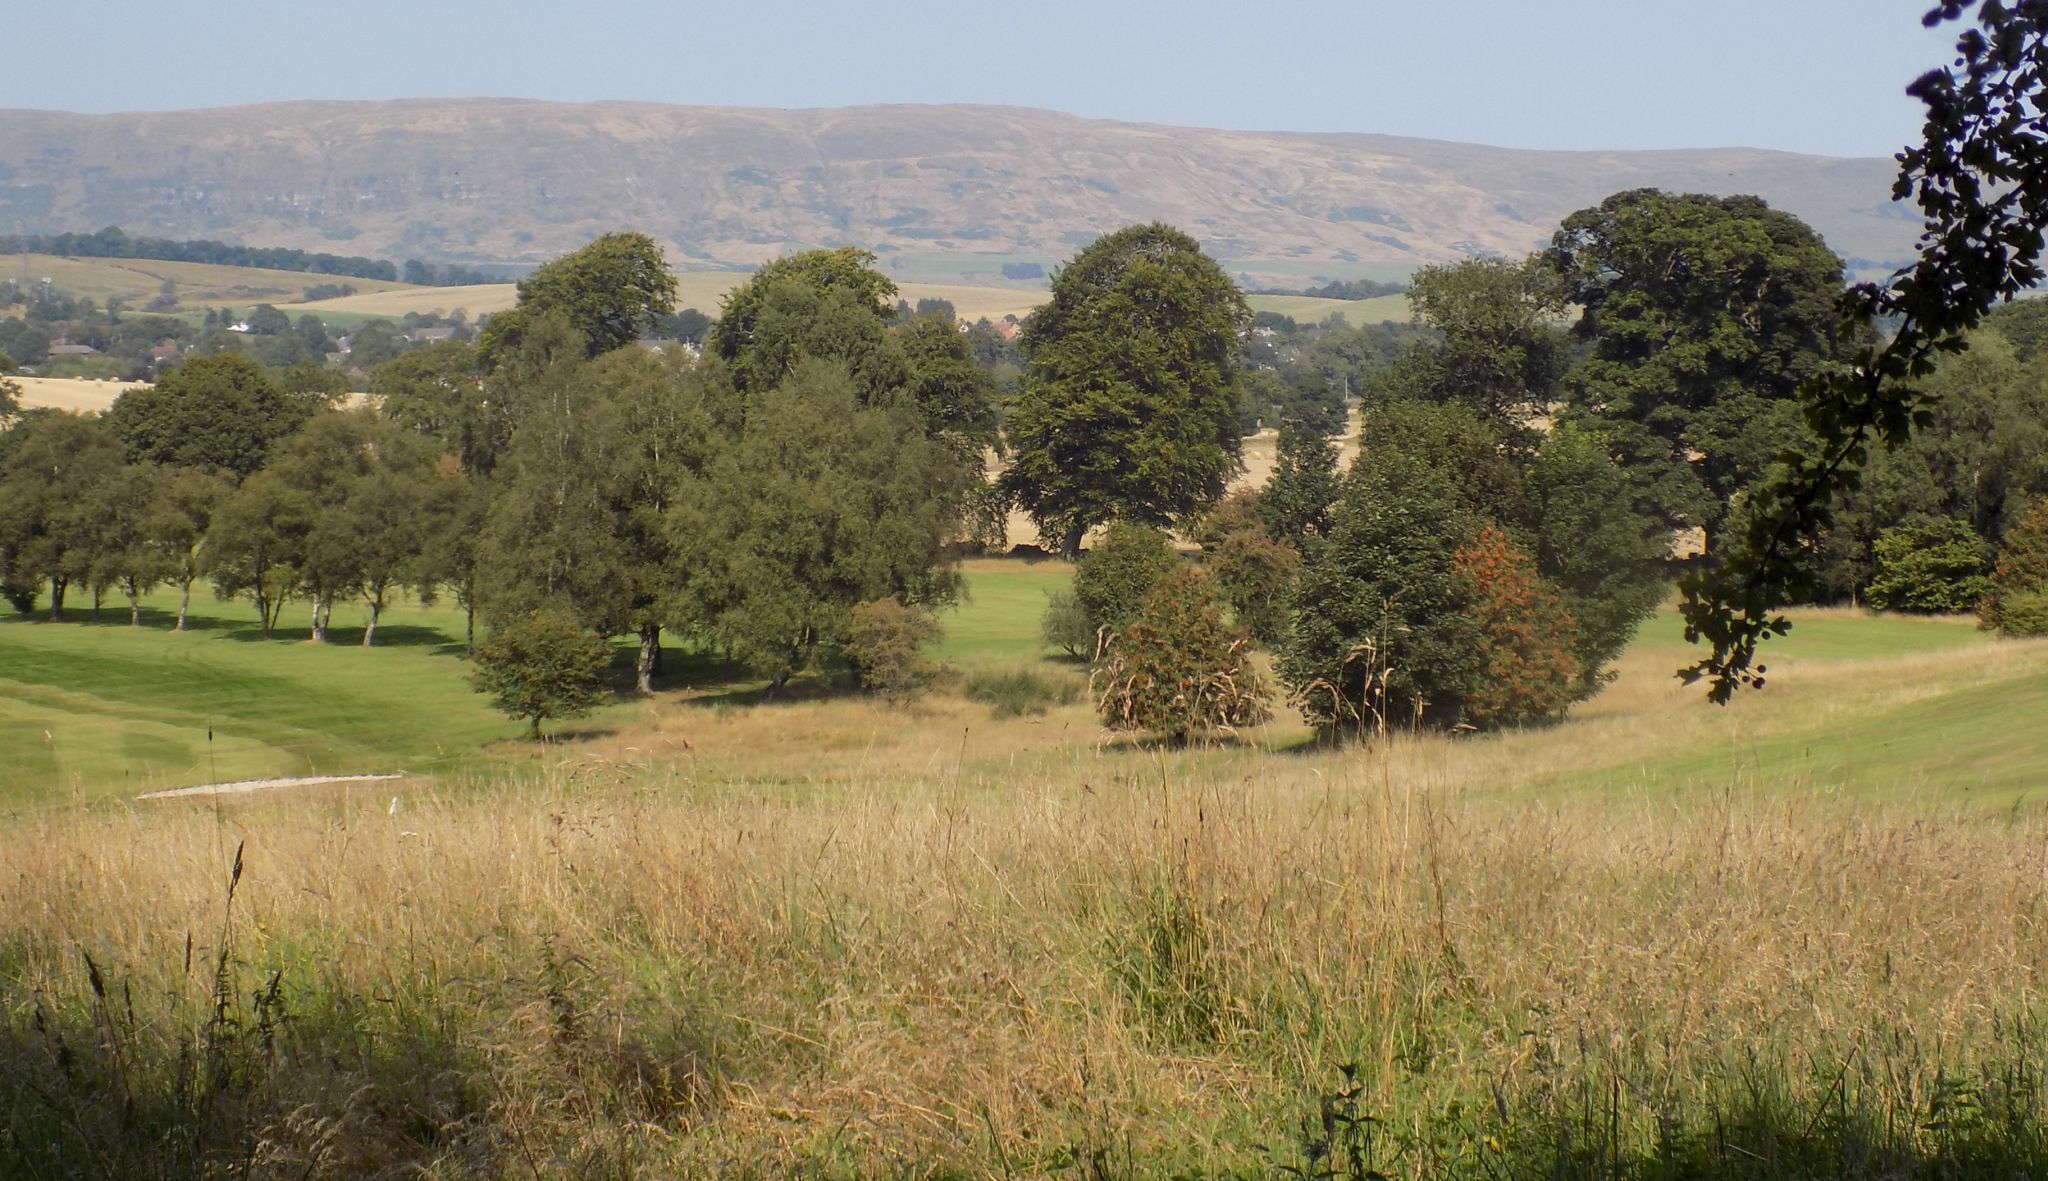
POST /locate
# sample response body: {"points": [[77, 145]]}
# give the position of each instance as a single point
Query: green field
{"points": [[1356, 312], [1880, 705]]}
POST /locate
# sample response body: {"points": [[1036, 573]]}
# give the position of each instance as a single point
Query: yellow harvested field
{"points": [[72, 393], [703, 290], [476, 301], [136, 281]]}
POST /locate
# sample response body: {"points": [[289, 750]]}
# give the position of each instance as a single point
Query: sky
{"points": [[1822, 76]]}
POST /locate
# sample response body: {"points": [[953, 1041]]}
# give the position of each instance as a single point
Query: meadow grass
{"points": [[824, 937]]}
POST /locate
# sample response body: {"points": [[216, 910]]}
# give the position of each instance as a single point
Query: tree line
{"points": [[797, 496], [114, 242]]}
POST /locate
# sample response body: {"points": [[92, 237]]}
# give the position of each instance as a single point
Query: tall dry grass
{"points": [[1141, 965]]}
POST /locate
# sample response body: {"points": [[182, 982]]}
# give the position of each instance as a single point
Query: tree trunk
{"points": [[370, 632], [1070, 545], [57, 587], [319, 623], [650, 657], [184, 606], [99, 596], [468, 630], [134, 610]]}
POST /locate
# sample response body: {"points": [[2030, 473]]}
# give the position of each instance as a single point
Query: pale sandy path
{"points": [[242, 785]]}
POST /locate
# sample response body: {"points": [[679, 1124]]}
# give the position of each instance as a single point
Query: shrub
{"points": [[1178, 669], [1114, 579], [20, 593], [1930, 565], [1255, 573], [885, 643], [2026, 614], [2021, 580], [1066, 626], [1015, 692], [1257, 576], [1528, 669], [1382, 621], [542, 666]]}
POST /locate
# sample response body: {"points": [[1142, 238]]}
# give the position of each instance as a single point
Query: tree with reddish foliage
{"points": [[1528, 668], [2018, 602]]}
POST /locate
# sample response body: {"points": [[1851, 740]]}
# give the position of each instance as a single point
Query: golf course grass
{"points": [[1882, 704]]}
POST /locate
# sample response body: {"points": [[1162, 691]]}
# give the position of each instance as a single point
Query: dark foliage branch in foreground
{"points": [[1980, 178]]}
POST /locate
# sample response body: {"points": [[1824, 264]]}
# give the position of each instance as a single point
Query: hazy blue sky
{"points": [[1806, 75]]}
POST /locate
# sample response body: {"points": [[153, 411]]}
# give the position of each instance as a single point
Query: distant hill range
{"points": [[939, 191]]}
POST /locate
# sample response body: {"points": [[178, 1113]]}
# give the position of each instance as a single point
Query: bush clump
{"points": [[1527, 667], [885, 643], [2017, 604], [1114, 579], [1930, 566], [1066, 627], [1178, 670]]}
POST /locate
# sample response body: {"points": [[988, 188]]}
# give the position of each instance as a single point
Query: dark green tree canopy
{"points": [[1703, 315], [439, 392], [949, 390], [1501, 345], [1980, 179], [1129, 407], [223, 413], [818, 504], [760, 330], [611, 290], [1381, 624]]}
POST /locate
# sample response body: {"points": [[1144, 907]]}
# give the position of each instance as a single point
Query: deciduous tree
{"points": [[818, 504], [610, 291], [222, 413], [540, 666], [1980, 179], [1128, 409], [1703, 315]]}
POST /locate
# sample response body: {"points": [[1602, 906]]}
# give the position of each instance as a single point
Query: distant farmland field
{"points": [[202, 285], [136, 281], [69, 393]]}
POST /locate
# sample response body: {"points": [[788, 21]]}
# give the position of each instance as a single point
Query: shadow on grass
{"points": [[288, 631], [807, 688]]}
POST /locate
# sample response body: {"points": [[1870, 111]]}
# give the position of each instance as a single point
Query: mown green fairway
{"points": [[100, 709], [998, 619]]}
